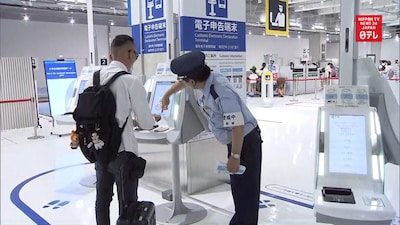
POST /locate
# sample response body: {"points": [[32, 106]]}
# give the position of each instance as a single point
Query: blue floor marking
{"points": [[51, 203], [14, 196], [287, 200], [61, 204], [16, 200]]}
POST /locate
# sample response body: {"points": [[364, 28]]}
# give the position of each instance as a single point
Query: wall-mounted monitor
{"points": [[60, 78]]}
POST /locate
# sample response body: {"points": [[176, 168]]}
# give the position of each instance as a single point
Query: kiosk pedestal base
{"points": [[177, 212], [267, 95], [89, 181], [180, 213], [267, 103], [63, 125], [321, 218]]}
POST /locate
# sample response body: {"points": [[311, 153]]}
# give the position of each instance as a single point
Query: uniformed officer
{"points": [[232, 124]]}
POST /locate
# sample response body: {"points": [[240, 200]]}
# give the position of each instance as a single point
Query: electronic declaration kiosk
{"points": [[350, 180], [63, 122], [156, 87], [182, 124], [85, 75]]}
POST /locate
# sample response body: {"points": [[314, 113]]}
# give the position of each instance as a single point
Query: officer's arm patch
{"points": [[233, 119]]}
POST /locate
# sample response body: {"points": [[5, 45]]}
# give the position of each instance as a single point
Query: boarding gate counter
{"points": [[183, 130], [350, 180]]}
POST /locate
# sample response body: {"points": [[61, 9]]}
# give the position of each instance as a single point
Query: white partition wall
{"points": [[17, 97]]}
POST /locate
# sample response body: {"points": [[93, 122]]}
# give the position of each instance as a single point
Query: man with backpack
{"points": [[130, 98]]}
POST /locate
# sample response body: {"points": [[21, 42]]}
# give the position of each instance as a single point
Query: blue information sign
{"points": [[212, 35], [136, 37], [154, 9], [60, 69], [154, 36], [217, 8]]}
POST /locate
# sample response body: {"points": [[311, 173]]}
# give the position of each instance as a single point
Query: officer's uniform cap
{"points": [[188, 65]]}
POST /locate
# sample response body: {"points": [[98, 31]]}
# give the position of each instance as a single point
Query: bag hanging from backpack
{"points": [[96, 126]]}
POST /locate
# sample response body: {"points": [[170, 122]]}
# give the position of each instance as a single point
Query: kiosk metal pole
{"points": [[177, 212]]}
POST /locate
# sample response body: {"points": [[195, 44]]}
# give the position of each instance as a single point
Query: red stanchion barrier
{"points": [[33, 109], [16, 100]]}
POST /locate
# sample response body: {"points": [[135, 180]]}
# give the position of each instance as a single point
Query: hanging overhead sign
{"points": [[368, 28], [151, 25], [213, 25], [277, 17], [218, 28]]}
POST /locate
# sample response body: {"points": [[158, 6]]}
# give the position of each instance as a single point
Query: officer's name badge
{"points": [[233, 119]]}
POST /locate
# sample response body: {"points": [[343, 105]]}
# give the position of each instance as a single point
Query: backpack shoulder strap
{"points": [[96, 78], [109, 82]]}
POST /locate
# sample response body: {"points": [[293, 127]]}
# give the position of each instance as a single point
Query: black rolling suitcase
{"points": [[138, 213], [141, 213]]}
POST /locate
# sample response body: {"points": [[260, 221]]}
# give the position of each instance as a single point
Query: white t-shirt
{"points": [[253, 78], [130, 98]]}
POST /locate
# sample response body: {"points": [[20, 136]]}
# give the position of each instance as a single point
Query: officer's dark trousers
{"points": [[104, 192], [246, 187]]}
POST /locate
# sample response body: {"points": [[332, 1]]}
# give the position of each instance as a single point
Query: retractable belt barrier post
{"points": [[34, 103], [294, 90], [315, 89]]}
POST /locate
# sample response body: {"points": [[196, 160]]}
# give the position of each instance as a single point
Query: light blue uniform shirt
{"points": [[227, 101]]}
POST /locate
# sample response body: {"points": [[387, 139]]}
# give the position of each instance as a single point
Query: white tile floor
{"points": [[41, 179]]}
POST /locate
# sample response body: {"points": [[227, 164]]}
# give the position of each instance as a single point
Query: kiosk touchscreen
{"points": [[347, 144], [156, 87], [160, 87], [183, 114], [85, 75]]}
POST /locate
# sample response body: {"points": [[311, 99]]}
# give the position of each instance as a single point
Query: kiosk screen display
{"points": [[60, 78], [159, 90], [347, 144], [82, 86]]}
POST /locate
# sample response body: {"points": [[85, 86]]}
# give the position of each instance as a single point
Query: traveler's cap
{"points": [[188, 65]]}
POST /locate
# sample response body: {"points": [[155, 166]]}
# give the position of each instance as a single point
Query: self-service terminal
{"points": [[184, 128], [350, 177]]}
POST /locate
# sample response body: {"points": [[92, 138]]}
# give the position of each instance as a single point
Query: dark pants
{"points": [[104, 192], [246, 187]]}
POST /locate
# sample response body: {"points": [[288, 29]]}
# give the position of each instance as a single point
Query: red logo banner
{"points": [[368, 28]]}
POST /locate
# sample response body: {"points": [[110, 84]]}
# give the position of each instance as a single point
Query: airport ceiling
{"points": [[306, 16]]}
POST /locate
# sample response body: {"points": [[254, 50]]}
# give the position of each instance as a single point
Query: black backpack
{"points": [[96, 125]]}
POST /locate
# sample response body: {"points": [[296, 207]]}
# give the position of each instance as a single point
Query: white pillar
{"points": [[317, 46], [348, 46], [169, 18], [89, 6]]}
